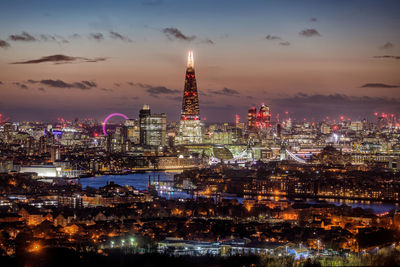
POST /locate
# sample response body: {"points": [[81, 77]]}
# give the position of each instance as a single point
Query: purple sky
{"points": [[309, 58]]}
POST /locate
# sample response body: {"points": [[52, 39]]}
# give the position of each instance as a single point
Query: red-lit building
{"points": [[260, 120], [190, 129], [252, 119], [190, 103], [264, 117]]}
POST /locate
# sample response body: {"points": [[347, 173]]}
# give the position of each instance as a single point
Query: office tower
{"points": [[190, 127], [7, 131], [133, 131], [278, 130], [264, 117], [153, 127], [252, 119], [109, 143], [55, 153], [30, 145]]}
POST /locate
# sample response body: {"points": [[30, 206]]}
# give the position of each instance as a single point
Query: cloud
{"points": [[116, 35], [286, 43], [176, 98], [225, 91], [1, 83], [56, 83], [117, 84], [41, 89], [97, 36], [24, 37], [106, 90], [4, 44], [89, 83], [82, 85], [379, 85], [320, 106], [60, 59], [208, 41], [387, 46], [55, 38], [21, 85], [313, 20], [159, 90], [309, 33], [75, 36], [334, 100], [141, 85], [45, 37], [271, 37], [174, 33], [155, 91], [388, 56], [202, 93]]}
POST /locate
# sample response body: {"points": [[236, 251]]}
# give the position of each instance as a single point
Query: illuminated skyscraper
{"points": [[251, 119], [264, 117], [190, 128], [258, 121], [152, 127]]}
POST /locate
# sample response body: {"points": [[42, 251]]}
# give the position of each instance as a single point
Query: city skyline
{"points": [[308, 58], [200, 133]]}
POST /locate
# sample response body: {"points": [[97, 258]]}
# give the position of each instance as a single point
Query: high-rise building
{"points": [[252, 119], [278, 130], [325, 128], [260, 120], [45, 142], [30, 145], [55, 153], [7, 129], [238, 124], [132, 131], [264, 117], [190, 127], [153, 127]]}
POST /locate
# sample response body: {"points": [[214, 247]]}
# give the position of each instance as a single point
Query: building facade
{"points": [[153, 127], [190, 126]]}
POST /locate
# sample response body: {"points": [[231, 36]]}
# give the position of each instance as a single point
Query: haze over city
{"points": [[311, 59]]}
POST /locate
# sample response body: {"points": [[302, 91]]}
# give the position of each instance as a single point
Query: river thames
{"points": [[140, 182]]}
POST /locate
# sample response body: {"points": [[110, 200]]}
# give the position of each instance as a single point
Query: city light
{"points": [[35, 247], [280, 147]]}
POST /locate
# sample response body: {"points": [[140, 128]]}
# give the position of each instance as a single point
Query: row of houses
{"points": [[233, 247]]}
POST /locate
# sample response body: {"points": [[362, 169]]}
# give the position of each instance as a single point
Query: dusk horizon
{"points": [[310, 59], [222, 133]]}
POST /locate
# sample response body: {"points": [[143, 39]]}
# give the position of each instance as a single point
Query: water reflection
{"points": [[140, 181]]}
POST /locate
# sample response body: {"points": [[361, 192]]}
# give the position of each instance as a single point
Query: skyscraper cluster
{"points": [[258, 120]]}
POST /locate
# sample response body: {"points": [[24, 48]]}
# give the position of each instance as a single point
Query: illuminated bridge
{"points": [[294, 157]]}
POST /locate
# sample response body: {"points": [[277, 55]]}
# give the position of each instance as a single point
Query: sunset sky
{"points": [[90, 58]]}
